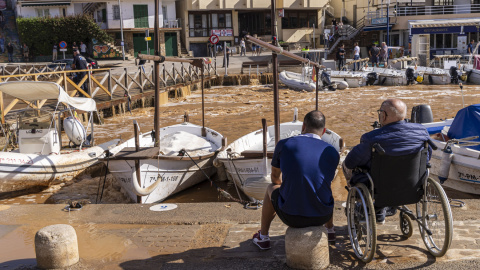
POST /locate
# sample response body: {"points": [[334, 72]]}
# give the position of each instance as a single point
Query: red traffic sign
{"points": [[62, 44], [214, 39]]}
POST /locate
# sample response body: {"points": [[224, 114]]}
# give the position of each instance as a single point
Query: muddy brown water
{"points": [[236, 111]]}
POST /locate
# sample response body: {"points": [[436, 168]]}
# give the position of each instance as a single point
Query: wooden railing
{"points": [[103, 80]]}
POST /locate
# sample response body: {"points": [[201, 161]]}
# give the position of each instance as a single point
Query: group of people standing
{"points": [[377, 55]]}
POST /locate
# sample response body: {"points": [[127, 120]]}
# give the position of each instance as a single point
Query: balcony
{"points": [[172, 23], [438, 10]]}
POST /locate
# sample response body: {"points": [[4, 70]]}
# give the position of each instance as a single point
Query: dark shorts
{"points": [[296, 221], [374, 59]]}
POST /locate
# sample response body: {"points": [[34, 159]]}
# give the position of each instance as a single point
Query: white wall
{"points": [[55, 11], [127, 13]]}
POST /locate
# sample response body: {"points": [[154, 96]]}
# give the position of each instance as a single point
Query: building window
{"points": [[201, 24], [42, 12], [102, 15], [116, 12], [140, 16], [298, 19], [443, 2], [443, 41]]}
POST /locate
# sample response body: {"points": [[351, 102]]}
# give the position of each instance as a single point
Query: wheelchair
{"points": [[397, 181]]}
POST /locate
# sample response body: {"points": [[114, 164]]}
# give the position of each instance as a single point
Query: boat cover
{"points": [[31, 91], [466, 124]]}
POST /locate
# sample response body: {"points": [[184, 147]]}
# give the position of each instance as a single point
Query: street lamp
{"points": [[121, 30]]}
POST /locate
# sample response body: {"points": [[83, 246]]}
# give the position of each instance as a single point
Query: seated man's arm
{"points": [[360, 155], [276, 176]]}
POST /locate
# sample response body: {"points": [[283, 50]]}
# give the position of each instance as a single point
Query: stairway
{"points": [[118, 49], [9, 32], [348, 34]]}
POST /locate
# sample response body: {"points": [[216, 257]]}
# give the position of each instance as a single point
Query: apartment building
{"points": [[138, 17], [233, 19], [441, 26]]}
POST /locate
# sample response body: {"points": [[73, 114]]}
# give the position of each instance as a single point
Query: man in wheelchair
{"points": [[395, 137]]}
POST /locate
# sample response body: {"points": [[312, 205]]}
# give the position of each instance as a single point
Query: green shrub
{"points": [[41, 33]]}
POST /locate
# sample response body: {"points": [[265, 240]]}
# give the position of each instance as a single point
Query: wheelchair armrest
{"points": [[379, 149], [430, 142]]}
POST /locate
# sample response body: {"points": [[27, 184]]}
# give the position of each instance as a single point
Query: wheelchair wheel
{"points": [[362, 228], [434, 212], [406, 225]]}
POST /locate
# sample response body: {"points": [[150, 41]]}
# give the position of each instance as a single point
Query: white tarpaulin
{"points": [[31, 91]]}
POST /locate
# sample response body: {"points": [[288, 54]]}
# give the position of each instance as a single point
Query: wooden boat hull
{"points": [[20, 171], [175, 173], [251, 173]]}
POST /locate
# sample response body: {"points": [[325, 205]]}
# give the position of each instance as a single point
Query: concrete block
{"points": [[307, 248], [56, 246]]}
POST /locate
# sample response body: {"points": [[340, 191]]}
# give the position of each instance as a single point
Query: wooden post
{"points": [[126, 79], [60, 123], [173, 74], [110, 87], [140, 75], [137, 162], [156, 45], [89, 83], [276, 99], [65, 83], [164, 76], [264, 132], [2, 115], [316, 88]]}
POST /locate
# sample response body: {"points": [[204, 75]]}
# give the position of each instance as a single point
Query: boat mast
{"points": [[156, 48], [276, 109]]}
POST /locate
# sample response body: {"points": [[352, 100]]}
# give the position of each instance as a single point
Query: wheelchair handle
{"points": [[430, 142], [379, 149]]}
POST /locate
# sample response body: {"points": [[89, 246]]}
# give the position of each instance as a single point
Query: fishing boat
{"points": [[184, 157], [244, 161], [32, 154], [455, 162]]}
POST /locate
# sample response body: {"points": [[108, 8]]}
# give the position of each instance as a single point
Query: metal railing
{"points": [[425, 10]]}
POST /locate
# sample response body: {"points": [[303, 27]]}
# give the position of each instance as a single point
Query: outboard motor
{"points": [[371, 78], [326, 82], [410, 74], [422, 114], [454, 76]]}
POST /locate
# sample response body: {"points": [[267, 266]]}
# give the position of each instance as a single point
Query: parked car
{"points": [[69, 61]]}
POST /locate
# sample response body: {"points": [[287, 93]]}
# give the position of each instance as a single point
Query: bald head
{"points": [[395, 109], [314, 122]]}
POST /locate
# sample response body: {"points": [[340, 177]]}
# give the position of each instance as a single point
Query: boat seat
{"points": [[255, 154]]}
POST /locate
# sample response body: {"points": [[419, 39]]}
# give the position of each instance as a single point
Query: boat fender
{"points": [[444, 170], [342, 85], [75, 130]]}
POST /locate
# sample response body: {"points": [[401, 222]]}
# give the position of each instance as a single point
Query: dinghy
{"points": [[245, 164], [174, 166], [455, 162], [37, 157], [297, 81]]}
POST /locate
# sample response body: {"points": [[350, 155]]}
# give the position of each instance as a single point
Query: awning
{"points": [[45, 3], [31, 91], [444, 26], [377, 27]]}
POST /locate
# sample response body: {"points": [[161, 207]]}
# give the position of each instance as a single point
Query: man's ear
{"points": [[303, 127]]}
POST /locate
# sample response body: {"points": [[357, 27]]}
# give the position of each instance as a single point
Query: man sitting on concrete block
{"points": [[303, 168]]}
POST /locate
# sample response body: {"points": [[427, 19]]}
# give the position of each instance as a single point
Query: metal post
{"points": [[121, 32], [276, 108], [388, 24], [204, 132], [316, 88], [225, 57], [156, 45], [314, 36], [137, 162]]}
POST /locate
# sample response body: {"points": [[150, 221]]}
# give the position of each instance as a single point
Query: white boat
{"points": [[388, 76], [436, 76], [461, 168], [297, 81], [40, 159], [354, 79], [162, 171], [473, 74], [244, 162]]}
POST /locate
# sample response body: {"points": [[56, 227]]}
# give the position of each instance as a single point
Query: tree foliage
{"points": [[41, 33]]}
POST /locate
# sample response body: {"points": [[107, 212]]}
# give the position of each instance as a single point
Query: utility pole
{"points": [[388, 24], [156, 49], [276, 100]]}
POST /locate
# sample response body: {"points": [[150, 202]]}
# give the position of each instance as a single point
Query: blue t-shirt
{"points": [[308, 167]]}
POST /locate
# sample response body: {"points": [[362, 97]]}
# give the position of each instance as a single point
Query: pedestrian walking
{"points": [[80, 63], [83, 49], [10, 52], [243, 48], [226, 56], [25, 52], [356, 56], [341, 57], [54, 52], [141, 62], [384, 54], [2, 44]]}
